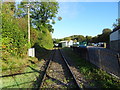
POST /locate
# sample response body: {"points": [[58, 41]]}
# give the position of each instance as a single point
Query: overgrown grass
{"points": [[13, 62], [29, 66], [21, 81], [25, 80], [95, 76]]}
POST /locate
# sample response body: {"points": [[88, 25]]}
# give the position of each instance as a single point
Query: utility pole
{"points": [[28, 6], [31, 51]]}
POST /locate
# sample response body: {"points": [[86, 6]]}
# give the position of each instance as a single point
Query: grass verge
{"points": [[25, 80], [30, 73], [95, 76]]}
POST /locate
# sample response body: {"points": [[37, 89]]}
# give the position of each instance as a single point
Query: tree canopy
{"points": [[14, 25], [104, 37], [41, 13]]}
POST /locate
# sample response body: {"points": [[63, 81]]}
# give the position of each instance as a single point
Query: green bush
{"points": [[13, 39], [45, 38]]}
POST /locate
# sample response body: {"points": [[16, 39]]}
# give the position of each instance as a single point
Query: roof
{"points": [[116, 29], [63, 41]]}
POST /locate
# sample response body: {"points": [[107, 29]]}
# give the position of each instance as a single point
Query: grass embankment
{"points": [[94, 76], [28, 67]]}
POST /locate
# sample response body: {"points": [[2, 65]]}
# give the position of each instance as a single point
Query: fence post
{"points": [[118, 57], [99, 59]]}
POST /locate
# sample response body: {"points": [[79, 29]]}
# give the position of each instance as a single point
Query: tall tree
{"points": [[42, 16], [41, 13]]}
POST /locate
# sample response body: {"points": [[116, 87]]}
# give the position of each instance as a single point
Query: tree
{"points": [[42, 16], [75, 41], [106, 30], [80, 38], [117, 24], [95, 39], [104, 37], [88, 38], [41, 13], [67, 38], [56, 40]]}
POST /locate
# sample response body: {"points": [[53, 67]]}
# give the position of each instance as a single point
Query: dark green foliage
{"points": [[106, 30], [104, 37], [80, 38], [41, 13], [14, 33], [56, 40], [88, 38], [45, 38], [117, 24], [77, 38], [34, 34]]}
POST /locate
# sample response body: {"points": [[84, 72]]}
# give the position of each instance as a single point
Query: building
{"points": [[66, 43], [115, 35], [115, 39], [70, 43]]}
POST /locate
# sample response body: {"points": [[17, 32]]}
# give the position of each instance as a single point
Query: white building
{"points": [[70, 43], [66, 43], [115, 39]]}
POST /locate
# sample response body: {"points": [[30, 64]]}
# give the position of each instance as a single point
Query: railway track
{"points": [[57, 73]]}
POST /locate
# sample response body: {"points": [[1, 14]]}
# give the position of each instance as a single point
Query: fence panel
{"points": [[101, 57]]}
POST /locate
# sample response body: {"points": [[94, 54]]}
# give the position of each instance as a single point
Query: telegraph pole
{"points": [[31, 51], [28, 6]]}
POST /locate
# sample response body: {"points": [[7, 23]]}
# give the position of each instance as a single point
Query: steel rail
{"points": [[46, 68], [68, 68], [78, 86]]}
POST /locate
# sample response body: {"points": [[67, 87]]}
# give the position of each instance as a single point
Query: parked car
{"points": [[83, 46]]}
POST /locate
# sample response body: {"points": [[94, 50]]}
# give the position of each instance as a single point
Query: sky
{"points": [[85, 18]]}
